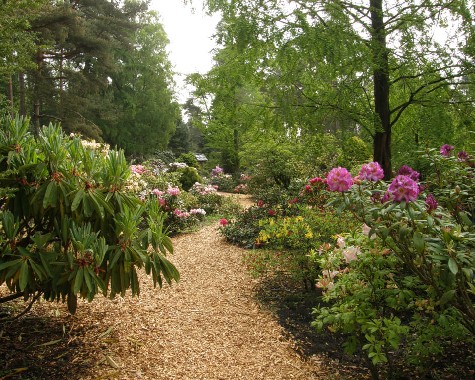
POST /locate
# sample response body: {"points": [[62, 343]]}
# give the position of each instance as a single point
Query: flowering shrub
{"points": [[419, 271], [207, 196], [217, 172]]}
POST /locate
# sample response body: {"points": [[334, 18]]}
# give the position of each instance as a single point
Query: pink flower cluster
{"points": [[339, 179], [173, 191], [371, 172], [403, 189], [157, 192], [446, 149], [181, 214], [217, 171], [409, 172], [137, 169]]}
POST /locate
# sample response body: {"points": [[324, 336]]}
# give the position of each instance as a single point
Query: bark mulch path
{"points": [[208, 326]]}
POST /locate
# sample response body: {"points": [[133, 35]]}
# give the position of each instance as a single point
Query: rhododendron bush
{"points": [[408, 278], [70, 227]]}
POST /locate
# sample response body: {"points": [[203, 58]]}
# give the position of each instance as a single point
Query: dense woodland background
{"points": [[305, 85]]}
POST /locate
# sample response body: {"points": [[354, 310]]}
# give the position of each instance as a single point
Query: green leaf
{"points": [[24, 273], [87, 278], [10, 263], [419, 242], [78, 280], [77, 199], [51, 195], [453, 265], [447, 296]]}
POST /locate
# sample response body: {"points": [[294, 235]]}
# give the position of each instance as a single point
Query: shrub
{"points": [[417, 278], [189, 159], [189, 176], [69, 228]]}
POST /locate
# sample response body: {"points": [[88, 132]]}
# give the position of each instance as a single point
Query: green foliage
{"points": [[69, 228], [189, 176], [189, 159], [355, 152], [411, 279]]}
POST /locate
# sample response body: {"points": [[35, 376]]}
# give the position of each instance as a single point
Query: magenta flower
{"points": [[403, 188], [339, 179], [386, 197], [446, 149], [409, 172], [431, 203], [371, 172], [223, 222], [462, 156]]}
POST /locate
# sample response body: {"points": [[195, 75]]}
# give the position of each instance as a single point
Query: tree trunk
{"points": [[10, 95], [37, 93], [382, 136], [21, 93]]}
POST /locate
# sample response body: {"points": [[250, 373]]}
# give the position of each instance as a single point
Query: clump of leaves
{"points": [[68, 226]]}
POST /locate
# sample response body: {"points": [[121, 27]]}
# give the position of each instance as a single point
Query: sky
{"points": [[189, 30]]}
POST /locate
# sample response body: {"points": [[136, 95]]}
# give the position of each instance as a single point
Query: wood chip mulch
{"points": [[207, 326]]}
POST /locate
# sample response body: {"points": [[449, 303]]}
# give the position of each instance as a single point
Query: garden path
{"points": [[208, 326]]}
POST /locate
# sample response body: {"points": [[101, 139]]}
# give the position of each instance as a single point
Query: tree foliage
{"points": [[97, 67], [356, 67]]}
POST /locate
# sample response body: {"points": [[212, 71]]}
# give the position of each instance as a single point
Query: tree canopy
{"points": [[369, 68], [98, 67]]}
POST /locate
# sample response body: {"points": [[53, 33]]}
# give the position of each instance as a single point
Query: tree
{"points": [[142, 90], [17, 43], [75, 56], [347, 59]]}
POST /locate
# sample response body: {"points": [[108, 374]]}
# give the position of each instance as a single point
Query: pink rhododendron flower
{"points": [[260, 203], [462, 156], [339, 179], [173, 191], [386, 197], [371, 172], [308, 188], [223, 222], [409, 172], [137, 169], [162, 202], [217, 171], [181, 214], [271, 212], [403, 188], [351, 254], [431, 203], [157, 192], [446, 149]]}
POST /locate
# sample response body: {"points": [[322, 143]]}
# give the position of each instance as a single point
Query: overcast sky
{"points": [[189, 31]]}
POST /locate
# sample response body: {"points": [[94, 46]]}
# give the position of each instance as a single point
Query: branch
{"points": [[11, 297], [27, 309]]}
